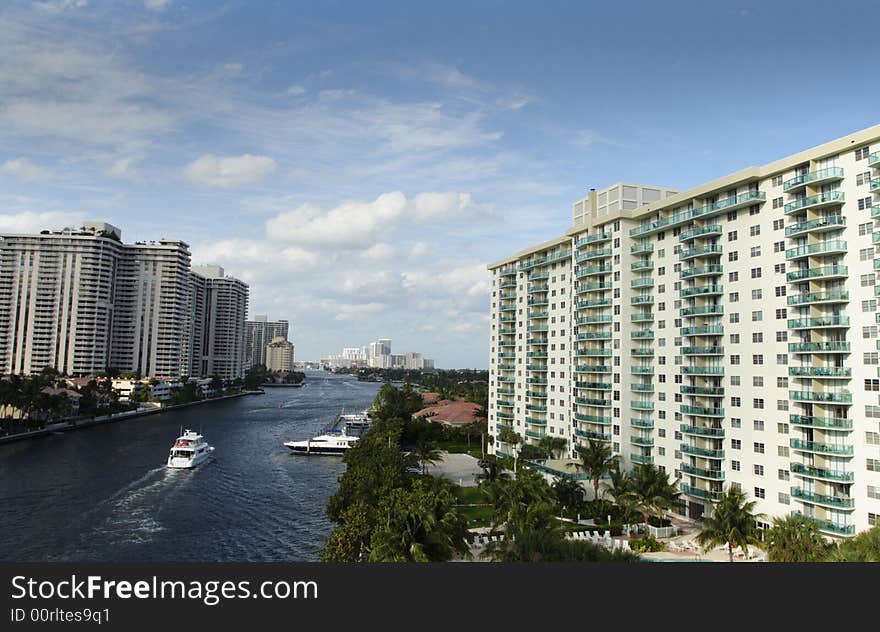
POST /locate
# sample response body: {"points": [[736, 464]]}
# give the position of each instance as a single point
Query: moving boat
{"points": [[190, 449]]}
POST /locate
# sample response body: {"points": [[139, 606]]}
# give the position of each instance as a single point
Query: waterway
{"points": [[103, 493]]}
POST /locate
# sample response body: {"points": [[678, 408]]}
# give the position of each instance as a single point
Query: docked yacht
{"points": [[190, 449], [330, 443]]}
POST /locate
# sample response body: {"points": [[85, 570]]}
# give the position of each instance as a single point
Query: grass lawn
{"points": [[473, 506], [461, 448]]}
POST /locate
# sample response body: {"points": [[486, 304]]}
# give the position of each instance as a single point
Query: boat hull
{"points": [[180, 463], [314, 450]]}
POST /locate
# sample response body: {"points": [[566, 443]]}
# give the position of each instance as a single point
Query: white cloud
{"points": [[296, 90], [156, 5], [123, 168], [23, 169], [228, 171], [355, 224], [33, 222], [378, 252], [58, 6], [419, 249]]}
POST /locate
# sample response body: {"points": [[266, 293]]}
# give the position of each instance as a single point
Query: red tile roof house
{"points": [[450, 412]]}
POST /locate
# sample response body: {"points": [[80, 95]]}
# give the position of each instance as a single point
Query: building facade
{"points": [[279, 355], [727, 334], [259, 332], [223, 327]]}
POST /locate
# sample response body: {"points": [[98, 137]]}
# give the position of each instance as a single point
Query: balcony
{"points": [[641, 388], [820, 448], [643, 351], [538, 314], [814, 178], [808, 471], [535, 434], [508, 271], [834, 246], [593, 287], [642, 334], [593, 419], [506, 367], [539, 381], [702, 231], [822, 397], [703, 370], [874, 159], [642, 265], [707, 330], [832, 423], [702, 290], [706, 391], [592, 320], [585, 271], [645, 299], [726, 204], [504, 403], [834, 346], [538, 276], [536, 354], [697, 492], [826, 372], [592, 434], [507, 307], [702, 411], [535, 421], [596, 253], [641, 459], [702, 351], [595, 335], [541, 287], [717, 433], [819, 323], [641, 404], [819, 297], [701, 271], [594, 353], [641, 423], [596, 386], [540, 261], [642, 441], [712, 250], [537, 394], [538, 408], [835, 502], [540, 368], [692, 470], [642, 248], [875, 185], [642, 370], [592, 239], [830, 527], [821, 224], [537, 341], [592, 368], [702, 452], [539, 328], [822, 272], [593, 303], [646, 282], [642, 317], [831, 198], [705, 310]]}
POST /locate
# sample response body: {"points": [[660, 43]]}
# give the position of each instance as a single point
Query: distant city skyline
{"points": [[359, 165]]}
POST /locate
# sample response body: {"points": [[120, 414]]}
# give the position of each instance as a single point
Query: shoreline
{"points": [[63, 426]]}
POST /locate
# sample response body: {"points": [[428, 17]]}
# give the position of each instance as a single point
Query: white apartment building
{"points": [[727, 334], [223, 328], [259, 332], [81, 301]]}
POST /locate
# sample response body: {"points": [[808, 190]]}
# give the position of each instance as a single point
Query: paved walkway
{"points": [[458, 468]]}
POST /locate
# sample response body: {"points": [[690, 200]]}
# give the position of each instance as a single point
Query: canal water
{"points": [[103, 493]]}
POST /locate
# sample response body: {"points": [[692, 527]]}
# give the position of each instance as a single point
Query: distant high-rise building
{"points": [[223, 340], [279, 355], [259, 332]]}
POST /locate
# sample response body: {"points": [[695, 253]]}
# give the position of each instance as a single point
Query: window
{"points": [[759, 492], [734, 339], [866, 228], [781, 336], [777, 181], [732, 256], [758, 425], [757, 316], [869, 306], [783, 475], [759, 448], [756, 273], [756, 251], [733, 277], [778, 246], [778, 224], [758, 403], [779, 268], [782, 313], [755, 230], [731, 236], [863, 178], [779, 290], [863, 152], [868, 280], [757, 294], [757, 359], [735, 444], [758, 469], [777, 202], [735, 466], [733, 297], [784, 499], [866, 254]]}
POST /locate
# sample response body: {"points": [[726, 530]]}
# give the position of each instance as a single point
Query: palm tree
{"points": [[795, 538], [597, 459], [427, 454], [651, 489], [619, 485], [553, 445], [865, 547], [732, 522], [568, 493]]}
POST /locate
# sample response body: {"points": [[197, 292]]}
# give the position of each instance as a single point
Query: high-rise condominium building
{"points": [[259, 333], [279, 355], [727, 334], [223, 339], [81, 301]]}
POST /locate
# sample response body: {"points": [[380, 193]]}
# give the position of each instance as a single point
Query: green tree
{"points": [[732, 522], [795, 538], [865, 547], [568, 493], [596, 460], [650, 489], [619, 485], [553, 445], [427, 454]]}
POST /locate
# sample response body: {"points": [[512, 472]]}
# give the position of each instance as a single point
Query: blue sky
{"points": [[359, 163]]}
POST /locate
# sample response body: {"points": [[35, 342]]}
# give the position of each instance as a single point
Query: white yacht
{"points": [[329, 443], [189, 450]]}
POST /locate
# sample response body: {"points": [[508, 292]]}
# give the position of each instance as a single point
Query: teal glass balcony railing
{"points": [[585, 271], [821, 272], [641, 265], [819, 297], [641, 459], [703, 370], [706, 330], [693, 470], [837, 502], [717, 433], [641, 404], [702, 231], [830, 372], [593, 303], [831, 423], [698, 271], [698, 492], [712, 250], [808, 471], [820, 322], [642, 334], [642, 248], [646, 282], [592, 239], [642, 370], [697, 351], [596, 386], [645, 299], [703, 452], [704, 310], [822, 248], [813, 177], [593, 419], [701, 290], [702, 411], [643, 441], [815, 396], [592, 434], [726, 204], [595, 335], [830, 527], [642, 423], [835, 346], [642, 317], [820, 448], [706, 391], [596, 253], [592, 401], [831, 198], [832, 222]]}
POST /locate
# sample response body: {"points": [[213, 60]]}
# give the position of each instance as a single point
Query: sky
{"points": [[359, 163]]}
